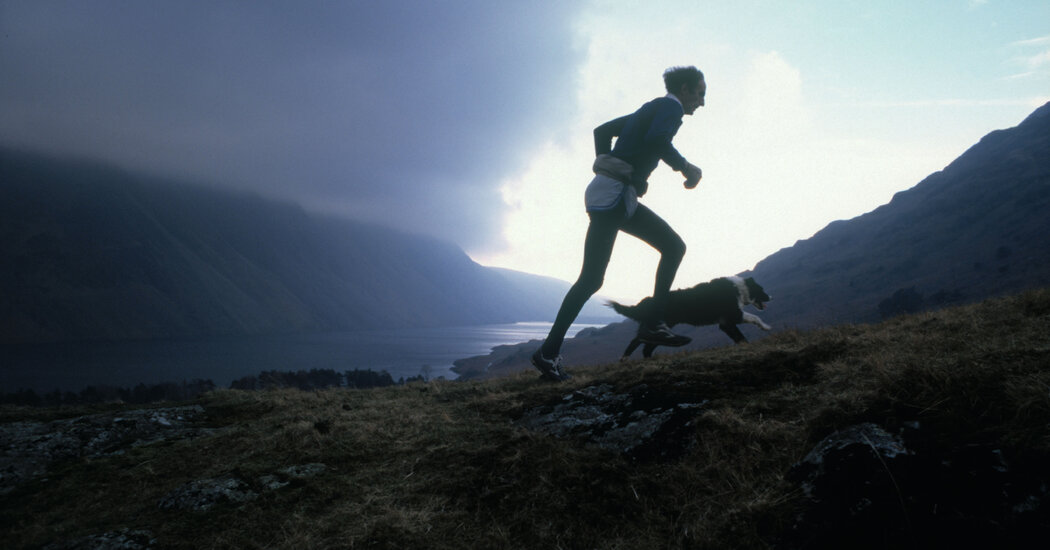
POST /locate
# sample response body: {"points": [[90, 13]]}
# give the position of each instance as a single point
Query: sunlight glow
{"points": [[783, 154]]}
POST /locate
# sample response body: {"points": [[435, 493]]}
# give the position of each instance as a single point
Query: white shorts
{"points": [[605, 193]]}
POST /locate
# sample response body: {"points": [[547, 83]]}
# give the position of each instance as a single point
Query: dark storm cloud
{"points": [[403, 112]]}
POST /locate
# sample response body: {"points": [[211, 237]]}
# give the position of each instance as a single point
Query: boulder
{"points": [[27, 448], [640, 422], [124, 539], [865, 487], [203, 494]]}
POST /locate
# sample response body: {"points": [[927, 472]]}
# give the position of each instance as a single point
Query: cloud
{"points": [[1034, 101], [1041, 41], [408, 113], [771, 97], [1039, 60], [1032, 63]]}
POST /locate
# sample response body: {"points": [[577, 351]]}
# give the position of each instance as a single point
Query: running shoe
{"points": [[661, 335], [551, 368]]}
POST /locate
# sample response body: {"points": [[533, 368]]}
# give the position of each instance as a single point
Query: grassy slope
{"points": [[443, 465]]}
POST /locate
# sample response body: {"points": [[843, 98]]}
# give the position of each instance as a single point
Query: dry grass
{"points": [[443, 465]]}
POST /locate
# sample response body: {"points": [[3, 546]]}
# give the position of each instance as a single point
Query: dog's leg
{"points": [[630, 349], [754, 320], [647, 351], [733, 332]]}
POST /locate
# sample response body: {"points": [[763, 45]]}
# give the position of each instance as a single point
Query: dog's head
{"points": [[756, 293]]}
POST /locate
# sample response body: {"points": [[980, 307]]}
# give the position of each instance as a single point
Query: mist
{"points": [[404, 113]]}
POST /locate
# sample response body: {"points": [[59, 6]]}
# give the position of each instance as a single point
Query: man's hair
{"points": [[676, 76]]}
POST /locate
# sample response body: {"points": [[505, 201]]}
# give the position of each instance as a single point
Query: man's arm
{"points": [[665, 123], [664, 126], [604, 134]]}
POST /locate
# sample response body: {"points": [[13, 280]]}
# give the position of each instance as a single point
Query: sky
{"points": [[471, 120]]}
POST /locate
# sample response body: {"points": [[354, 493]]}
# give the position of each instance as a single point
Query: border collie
{"points": [[720, 301]]}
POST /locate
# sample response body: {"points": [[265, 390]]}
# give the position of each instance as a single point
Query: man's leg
{"points": [[597, 249], [654, 231]]}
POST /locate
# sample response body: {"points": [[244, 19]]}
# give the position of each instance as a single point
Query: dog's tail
{"points": [[626, 311]]}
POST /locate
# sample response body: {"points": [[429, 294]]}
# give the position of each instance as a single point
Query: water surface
{"points": [[402, 353]]}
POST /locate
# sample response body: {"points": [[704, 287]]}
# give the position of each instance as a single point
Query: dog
{"points": [[720, 301]]}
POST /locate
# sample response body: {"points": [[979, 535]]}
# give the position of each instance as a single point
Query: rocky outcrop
{"points": [[196, 496], [891, 490], [124, 539], [640, 422], [28, 448], [203, 494]]}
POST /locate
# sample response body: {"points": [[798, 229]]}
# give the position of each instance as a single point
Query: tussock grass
{"points": [[443, 466]]}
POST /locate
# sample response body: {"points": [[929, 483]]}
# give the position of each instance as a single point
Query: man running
{"points": [[621, 176]]}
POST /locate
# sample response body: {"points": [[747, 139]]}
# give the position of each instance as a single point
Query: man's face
{"points": [[692, 98]]}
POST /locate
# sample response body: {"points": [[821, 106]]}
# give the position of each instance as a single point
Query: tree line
{"points": [[313, 379]]}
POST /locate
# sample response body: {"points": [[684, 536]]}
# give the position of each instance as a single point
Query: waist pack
{"points": [[619, 170]]}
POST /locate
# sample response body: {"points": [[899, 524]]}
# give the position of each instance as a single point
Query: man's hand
{"points": [[640, 187], [692, 176]]}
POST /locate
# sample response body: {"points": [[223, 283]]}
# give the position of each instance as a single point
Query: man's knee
{"points": [[591, 286], [676, 249], [588, 285]]}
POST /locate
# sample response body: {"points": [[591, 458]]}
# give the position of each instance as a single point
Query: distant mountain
{"points": [[977, 229], [93, 252]]}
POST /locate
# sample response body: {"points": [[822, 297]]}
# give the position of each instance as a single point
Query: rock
{"points": [[642, 423], [203, 494], [866, 486], [125, 539], [272, 482], [284, 476], [303, 471], [837, 457], [27, 448]]}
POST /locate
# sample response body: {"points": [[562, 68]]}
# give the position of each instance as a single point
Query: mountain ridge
{"points": [[96, 252], [973, 230]]}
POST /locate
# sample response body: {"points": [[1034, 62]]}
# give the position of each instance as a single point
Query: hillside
{"points": [[925, 431], [93, 252], [977, 229]]}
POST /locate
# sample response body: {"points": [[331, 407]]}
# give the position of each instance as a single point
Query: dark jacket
{"points": [[644, 137]]}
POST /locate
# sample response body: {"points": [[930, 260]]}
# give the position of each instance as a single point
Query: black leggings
{"points": [[597, 250]]}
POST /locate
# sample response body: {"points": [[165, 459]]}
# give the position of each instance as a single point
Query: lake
{"points": [[402, 353]]}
